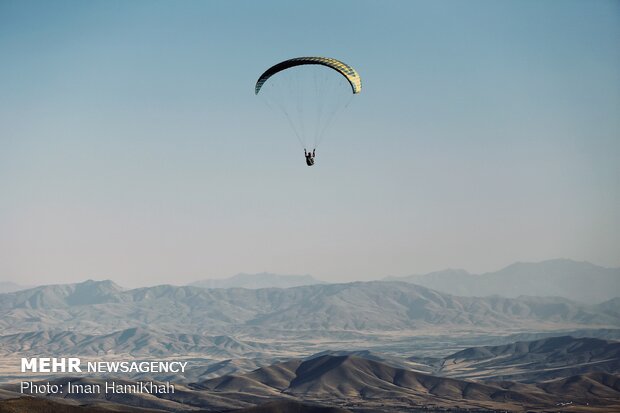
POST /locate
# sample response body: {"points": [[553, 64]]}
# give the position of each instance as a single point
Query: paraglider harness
{"points": [[309, 157]]}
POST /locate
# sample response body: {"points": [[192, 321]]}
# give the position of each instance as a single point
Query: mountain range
{"points": [[579, 281], [133, 341], [97, 307], [9, 287]]}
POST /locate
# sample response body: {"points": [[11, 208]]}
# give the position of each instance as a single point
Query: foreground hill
{"points": [[349, 382], [535, 361], [579, 281], [39, 405], [291, 407], [353, 378], [102, 307]]}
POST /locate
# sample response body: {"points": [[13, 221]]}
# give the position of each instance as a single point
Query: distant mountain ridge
{"points": [[579, 281], [96, 307], [9, 287], [260, 280], [50, 296]]}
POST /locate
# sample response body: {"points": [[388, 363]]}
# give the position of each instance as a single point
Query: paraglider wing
{"points": [[347, 71]]}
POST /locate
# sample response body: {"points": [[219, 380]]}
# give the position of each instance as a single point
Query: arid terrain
{"points": [[381, 346]]}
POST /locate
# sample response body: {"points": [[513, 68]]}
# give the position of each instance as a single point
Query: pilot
{"points": [[309, 157]]}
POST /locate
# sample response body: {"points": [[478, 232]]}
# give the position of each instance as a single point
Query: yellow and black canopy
{"points": [[345, 70]]}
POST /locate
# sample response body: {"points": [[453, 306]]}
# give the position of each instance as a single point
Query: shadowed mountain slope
{"points": [[39, 405], [291, 407], [346, 377], [563, 349], [535, 361], [349, 381]]}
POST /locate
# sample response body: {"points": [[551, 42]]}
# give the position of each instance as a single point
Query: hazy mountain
{"points": [[9, 287], [261, 280], [580, 281], [102, 307], [62, 295], [535, 361]]}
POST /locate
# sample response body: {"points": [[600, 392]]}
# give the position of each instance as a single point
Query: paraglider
{"points": [[310, 92], [309, 157]]}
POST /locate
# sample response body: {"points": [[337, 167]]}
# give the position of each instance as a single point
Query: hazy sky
{"points": [[132, 146]]}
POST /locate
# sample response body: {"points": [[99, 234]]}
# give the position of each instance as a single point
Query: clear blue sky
{"points": [[132, 146]]}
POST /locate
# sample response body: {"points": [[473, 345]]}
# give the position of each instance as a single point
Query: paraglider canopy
{"points": [[347, 71], [309, 92]]}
